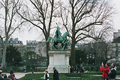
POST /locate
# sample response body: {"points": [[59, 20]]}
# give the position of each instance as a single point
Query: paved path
{"points": [[20, 75], [117, 76]]}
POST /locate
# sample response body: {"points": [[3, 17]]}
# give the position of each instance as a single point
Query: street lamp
{"points": [[90, 57], [35, 56], [93, 56], [80, 59], [29, 57], [13, 59], [87, 56]]}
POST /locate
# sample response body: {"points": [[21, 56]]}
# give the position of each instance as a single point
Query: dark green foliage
{"points": [[92, 67], [31, 60], [14, 68], [28, 54], [80, 56], [13, 56]]}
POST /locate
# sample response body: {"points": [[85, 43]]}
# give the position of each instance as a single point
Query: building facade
{"points": [[41, 51], [16, 43], [13, 42], [31, 45]]}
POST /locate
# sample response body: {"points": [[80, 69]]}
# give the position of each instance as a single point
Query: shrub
{"points": [[14, 68]]}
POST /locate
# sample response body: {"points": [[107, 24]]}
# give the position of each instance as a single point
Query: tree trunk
{"points": [[4, 55], [47, 49], [73, 52]]}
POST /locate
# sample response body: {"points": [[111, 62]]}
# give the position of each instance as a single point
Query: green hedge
{"points": [[92, 68], [15, 69]]}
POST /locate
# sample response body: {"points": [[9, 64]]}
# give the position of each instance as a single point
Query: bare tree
{"points": [[101, 50], [11, 22], [40, 16], [85, 15]]}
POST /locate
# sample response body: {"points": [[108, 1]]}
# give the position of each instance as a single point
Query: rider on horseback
{"points": [[58, 34], [60, 39]]}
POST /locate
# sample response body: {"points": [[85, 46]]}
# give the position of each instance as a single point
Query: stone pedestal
{"points": [[59, 60]]}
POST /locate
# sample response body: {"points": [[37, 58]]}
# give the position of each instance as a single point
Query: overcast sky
{"points": [[32, 35], [116, 19]]}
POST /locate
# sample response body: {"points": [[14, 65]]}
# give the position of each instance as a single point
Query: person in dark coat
{"points": [[71, 69], [11, 71], [55, 74], [5, 77], [112, 73], [11, 74]]}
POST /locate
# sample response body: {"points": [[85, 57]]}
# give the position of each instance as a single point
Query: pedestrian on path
{"points": [[105, 71], [46, 75], [112, 72], [11, 74], [55, 74]]}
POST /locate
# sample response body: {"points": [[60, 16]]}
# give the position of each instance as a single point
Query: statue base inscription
{"points": [[59, 60]]}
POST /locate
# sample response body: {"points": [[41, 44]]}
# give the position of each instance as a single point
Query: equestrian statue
{"points": [[59, 38]]}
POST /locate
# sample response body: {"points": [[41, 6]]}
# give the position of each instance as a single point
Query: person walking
{"points": [[46, 75], [105, 71], [112, 72], [11, 74], [55, 74]]}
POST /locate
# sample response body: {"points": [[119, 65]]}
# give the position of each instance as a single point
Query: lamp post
{"points": [[33, 61], [93, 56], [12, 61], [31, 58], [80, 60], [90, 57], [87, 58]]}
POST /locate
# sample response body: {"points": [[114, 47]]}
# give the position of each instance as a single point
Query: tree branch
{"points": [[16, 28], [29, 21], [90, 24], [52, 5]]}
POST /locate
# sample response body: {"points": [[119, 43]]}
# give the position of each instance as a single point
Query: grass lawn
{"points": [[66, 76], [63, 76]]}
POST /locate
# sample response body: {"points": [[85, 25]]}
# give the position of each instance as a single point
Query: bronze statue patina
{"points": [[60, 39]]}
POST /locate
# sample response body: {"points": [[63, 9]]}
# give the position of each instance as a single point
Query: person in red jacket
{"points": [[105, 71]]}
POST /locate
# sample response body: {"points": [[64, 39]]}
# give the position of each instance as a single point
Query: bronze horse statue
{"points": [[60, 39]]}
